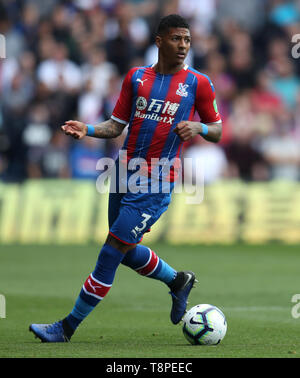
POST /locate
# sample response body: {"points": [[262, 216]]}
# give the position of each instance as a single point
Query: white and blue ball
{"points": [[204, 324]]}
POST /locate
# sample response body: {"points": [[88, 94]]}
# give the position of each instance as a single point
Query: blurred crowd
{"points": [[67, 59]]}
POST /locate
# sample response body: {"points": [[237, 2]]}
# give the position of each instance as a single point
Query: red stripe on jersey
{"points": [[96, 288], [162, 131], [176, 169], [205, 97], [123, 106], [144, 91], [150, 266]]}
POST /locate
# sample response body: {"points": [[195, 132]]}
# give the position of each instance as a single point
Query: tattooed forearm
{"points": [[109, 129]]}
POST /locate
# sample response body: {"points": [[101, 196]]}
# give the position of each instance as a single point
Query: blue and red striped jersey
{"points": [[152, 104]]}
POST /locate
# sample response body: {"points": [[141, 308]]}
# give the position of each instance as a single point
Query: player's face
{"points": [[174, 45]]}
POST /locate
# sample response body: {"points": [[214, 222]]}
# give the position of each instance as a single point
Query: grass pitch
{"points": [[253, 286]]}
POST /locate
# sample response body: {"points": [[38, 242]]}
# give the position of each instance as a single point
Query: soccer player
{"points": [[158, 103]]}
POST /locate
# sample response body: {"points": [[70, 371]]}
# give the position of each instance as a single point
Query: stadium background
{"points": [[66, 60]]}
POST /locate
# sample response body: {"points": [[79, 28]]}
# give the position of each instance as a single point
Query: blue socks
{"points": [[96, 285], [145, 262], [142, 259]]}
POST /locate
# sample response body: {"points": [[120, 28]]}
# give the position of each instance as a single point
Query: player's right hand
{"points": [[75, 129]]}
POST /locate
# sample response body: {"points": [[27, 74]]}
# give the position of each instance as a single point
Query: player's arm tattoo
{"points": [[109, 129]]}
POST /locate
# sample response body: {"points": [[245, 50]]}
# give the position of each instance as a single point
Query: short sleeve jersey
{"points": [[152, 104]]}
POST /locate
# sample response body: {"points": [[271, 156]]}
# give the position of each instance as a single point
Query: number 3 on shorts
{"points": [[137, 229]]}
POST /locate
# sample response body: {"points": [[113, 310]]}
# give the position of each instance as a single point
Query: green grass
{"points": [[253, 285]]}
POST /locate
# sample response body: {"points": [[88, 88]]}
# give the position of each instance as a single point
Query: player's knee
{"points": [[118, 244]]}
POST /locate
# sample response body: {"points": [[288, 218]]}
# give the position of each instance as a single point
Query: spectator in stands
{"points": [[98, 71], [84, 157], [282, 150], [285, 82], [59, 73], [206, 157], [244, 158], [70, 56], [51, 161]]}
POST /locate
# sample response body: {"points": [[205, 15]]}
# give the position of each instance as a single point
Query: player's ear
{"points": [[158, 41]]}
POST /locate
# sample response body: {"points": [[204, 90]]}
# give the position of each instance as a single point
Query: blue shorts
{"points": [[130, 215]]}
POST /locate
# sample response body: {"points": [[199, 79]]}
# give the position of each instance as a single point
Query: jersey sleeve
{"points": [[122, 110], [206, 104]]}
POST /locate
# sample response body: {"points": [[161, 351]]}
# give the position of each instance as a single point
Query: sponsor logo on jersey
{"points": [[141, 103], [159, 110]]}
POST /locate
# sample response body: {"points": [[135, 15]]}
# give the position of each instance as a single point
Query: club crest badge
{"points": [[181, 91]]}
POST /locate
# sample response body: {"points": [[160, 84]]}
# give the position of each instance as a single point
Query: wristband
{"points": [[90, 130], [204, 129]]}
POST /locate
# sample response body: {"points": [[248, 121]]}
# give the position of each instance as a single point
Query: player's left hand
{"points": [[186, 130]]}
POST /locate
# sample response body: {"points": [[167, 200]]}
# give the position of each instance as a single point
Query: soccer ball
{"points": [[204, 324]]}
